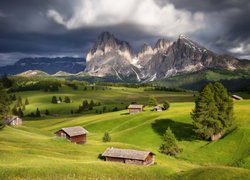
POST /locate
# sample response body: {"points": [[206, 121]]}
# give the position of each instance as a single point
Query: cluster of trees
{"points": [[164, 88], [27, 84], [4, 105], [129, 85], [213, 113], [20, 106], [36, 114], [153, 102], [104, 109], [54, 100], [86, 106]]}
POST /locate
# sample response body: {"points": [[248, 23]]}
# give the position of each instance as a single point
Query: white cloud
{"points": [[241, 49], [146, 14]]}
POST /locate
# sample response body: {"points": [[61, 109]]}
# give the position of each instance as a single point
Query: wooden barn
{"points": [[235, 97], [128, 156], [134, 108], [158, 108], [13, 121], [75, 134]]}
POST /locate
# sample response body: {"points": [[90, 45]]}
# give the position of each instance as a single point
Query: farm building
{"points": [[158, 108], [13, 121], [235, 97], [134, 108], [75, 134], [128, 156]]}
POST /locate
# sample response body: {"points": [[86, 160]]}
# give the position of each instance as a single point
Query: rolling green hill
{"points": [[32, 151]]}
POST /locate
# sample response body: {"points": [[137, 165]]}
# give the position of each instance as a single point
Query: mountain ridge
{"points": [[165, 59]]}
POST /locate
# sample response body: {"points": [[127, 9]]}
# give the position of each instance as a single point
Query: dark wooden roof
{"points": [[74, 131], [126, 153], [135, 106]]}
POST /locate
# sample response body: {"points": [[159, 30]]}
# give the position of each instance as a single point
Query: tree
{"points": [[169, 145], [91, 104], [166, 105], [6, 82], [72, 112], [23, 108], [20, 112], [104, 108], [27, 102], [47, 112], [14, 110], [4, 103], [224, 104], [60, 99], [19, 102], [213, 113], [54, 100], [106, 137], [152, 101], [38, 114], [85, 105], [67, 99]]}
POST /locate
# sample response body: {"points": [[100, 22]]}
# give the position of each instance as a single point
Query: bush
{"points": [[106, 137], [166, 105]]}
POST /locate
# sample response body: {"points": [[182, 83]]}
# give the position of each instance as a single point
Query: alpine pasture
{"points": [[32, 151]]}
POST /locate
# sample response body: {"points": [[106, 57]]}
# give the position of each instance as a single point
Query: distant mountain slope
{"points": [[113, 57], [48, 65]]}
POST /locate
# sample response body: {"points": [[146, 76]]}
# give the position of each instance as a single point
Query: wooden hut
{"points": [[13, 121], [158, 108], [235, 97], [134, 108], [129, 156], [75, 134]]}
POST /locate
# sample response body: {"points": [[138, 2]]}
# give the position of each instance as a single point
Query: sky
{"points": [[52, 28]]}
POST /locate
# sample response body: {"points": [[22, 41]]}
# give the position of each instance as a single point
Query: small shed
{"points": [[135, 108], [75, 134], [128, 156], [13, 121], [235, 97], [158, 108]]}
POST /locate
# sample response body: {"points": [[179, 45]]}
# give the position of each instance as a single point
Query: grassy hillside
{"points": [[33, 151], [110, 97]]}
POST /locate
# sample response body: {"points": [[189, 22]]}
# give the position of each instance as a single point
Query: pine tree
{"points": [[27, 102], [213, 113], [66, 99], [60, 99], [166, 105], [152, 101], [169, 145], [85, 105], [54, 100], [20, 112], [23, 108], [14, 110], [47, 112], [19, 102], [106, 137], [224, 104], [4, 103], [38, 114]]}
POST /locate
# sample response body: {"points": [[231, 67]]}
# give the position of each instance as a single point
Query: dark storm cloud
{"points": [[27, 29]]}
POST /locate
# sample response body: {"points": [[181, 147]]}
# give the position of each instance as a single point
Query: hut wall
{"points": [[149, 159], [135, 110], [78, 139], [114, 159], [133, 161]]}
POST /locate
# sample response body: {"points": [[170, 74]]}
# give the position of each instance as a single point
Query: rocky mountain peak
{"points": [[162, 44]]}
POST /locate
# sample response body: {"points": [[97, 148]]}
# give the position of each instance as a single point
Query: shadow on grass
{"points": [[125, 114], [182, 131]]}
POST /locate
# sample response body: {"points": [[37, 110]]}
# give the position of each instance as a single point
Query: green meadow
{"points": [[32, 151]]}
